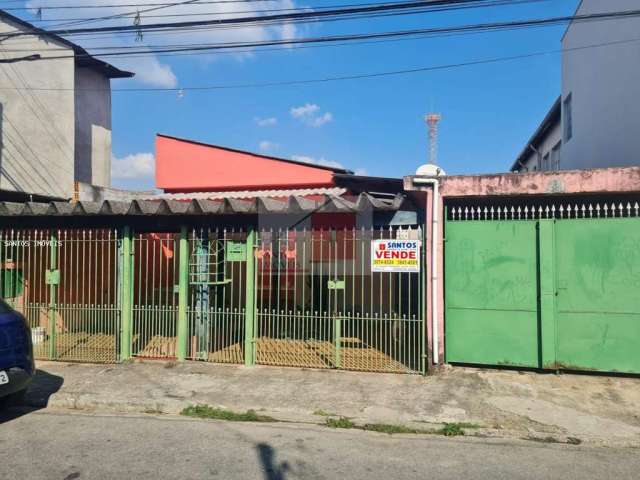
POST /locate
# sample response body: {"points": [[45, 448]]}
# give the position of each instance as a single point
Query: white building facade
{"points": [[596, 121], [55, 114]]}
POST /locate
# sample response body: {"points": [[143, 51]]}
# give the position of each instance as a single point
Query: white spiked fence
{"points": [[568, 211]]}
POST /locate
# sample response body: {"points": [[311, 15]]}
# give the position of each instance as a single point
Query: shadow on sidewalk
{"points": [[43, 385], [271, 471]]}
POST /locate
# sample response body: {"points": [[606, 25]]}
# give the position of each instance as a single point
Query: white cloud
{"points": [[138, 166], [305, 111], [266, 122], [310, 114], [361, 171], [317, 161], [268, 146], [151, 69], [327, 117]]}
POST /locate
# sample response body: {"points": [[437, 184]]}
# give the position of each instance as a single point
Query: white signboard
{"points": [[395, 256]]}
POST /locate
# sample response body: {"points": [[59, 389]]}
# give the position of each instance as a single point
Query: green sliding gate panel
{"points": [[491, 293], [598, 303], [553, 288]]}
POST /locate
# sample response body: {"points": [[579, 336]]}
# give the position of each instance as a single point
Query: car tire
{"points": [[15, 399]]}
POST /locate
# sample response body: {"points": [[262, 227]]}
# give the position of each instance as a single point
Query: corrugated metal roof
{"points": [[227, 206], [245, 194]]}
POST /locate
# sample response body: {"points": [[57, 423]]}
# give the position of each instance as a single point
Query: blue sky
{"points": [[373, 126]]}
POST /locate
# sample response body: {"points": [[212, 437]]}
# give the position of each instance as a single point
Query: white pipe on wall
{"points": [[434, 262]]}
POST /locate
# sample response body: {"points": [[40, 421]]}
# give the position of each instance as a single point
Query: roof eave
{"points": [[552, 116]]}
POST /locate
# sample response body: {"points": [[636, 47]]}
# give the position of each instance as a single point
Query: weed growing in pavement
{"points": [[455, 429], [206, 411], [391, 429], [342, 422]]}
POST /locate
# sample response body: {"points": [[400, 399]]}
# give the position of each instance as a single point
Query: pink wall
{"points": [[183, 166], [601, 180], [604, 180]]}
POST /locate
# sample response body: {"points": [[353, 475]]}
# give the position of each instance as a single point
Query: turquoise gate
{"points": [[552, 287]]}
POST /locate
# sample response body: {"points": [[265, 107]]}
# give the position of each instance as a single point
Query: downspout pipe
{"points": [[435, 214]]}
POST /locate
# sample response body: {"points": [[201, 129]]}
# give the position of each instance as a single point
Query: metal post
{"points": [[53, 287], [546, 259], [126, 294], [338, 341], [250, 305], [424, 357], [202, 320], [183, 289]]}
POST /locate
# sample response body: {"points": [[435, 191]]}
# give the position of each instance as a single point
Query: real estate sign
{"points": [[395, 256]]}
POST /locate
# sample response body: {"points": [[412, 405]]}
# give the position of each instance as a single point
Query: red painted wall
{"points": [[184, 166]]}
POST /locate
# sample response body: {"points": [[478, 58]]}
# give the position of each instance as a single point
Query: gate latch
{"points": [[52, 277], [336, 284]]}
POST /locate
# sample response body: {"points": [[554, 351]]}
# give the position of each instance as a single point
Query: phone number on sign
{"points": [[34, 243]]}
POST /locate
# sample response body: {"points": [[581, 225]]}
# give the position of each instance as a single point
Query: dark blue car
{"points": [[16, 356]]}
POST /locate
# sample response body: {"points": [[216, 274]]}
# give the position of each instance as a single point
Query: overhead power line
{"points": [[489, 3], [460, 29], [261, 19], [358, 76], [118, 5]]}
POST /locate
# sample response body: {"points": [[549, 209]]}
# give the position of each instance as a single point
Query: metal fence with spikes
{"points": [[561, 211]]}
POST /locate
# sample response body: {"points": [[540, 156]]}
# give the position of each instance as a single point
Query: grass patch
{"points": [[391, 429], [206, 411], [448, 430], [342, 422], [322, 413], [454, 429]]}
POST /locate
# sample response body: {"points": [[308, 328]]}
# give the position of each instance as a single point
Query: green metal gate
{"points": [[320, 305], [218, 294], [544, 287], [66, 283], [295, 297], [155, 268]]}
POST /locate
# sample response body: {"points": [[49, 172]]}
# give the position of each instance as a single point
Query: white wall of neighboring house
{"points": [[604, 87], [546, 154], [93, 127], [55, 117], [37, 127]]}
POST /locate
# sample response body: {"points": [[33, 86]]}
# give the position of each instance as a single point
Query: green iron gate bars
{"points": [[155, 294], [65, 282], [319, 303], [217, 295]]}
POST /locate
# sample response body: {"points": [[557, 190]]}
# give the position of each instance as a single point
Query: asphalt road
{"points": [[69, 446]]}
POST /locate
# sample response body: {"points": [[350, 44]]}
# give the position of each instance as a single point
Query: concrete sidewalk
{"points": [[563, 408]]}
